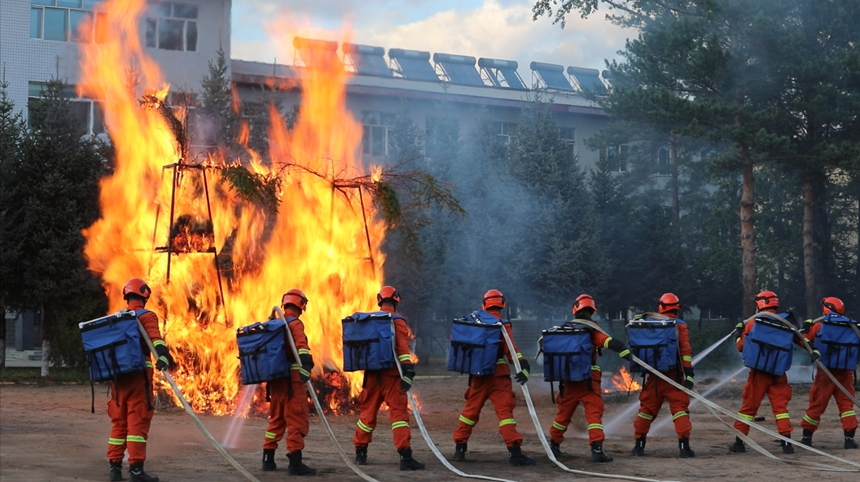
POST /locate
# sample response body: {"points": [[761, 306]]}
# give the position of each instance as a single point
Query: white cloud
{"points": [[491, 29]]}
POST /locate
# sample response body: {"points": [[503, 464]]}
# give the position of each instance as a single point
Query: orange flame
{"points": [[624, 381], [316, 242]]}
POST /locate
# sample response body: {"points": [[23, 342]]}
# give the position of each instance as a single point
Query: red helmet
{"points": [[582, 302], [494, 299], [831, 304], [296, 298], [136, 286], [668, 302], [388, 293], [766, 299]]}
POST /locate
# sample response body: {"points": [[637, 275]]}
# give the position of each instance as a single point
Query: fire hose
{"points": [[317, 405], [190, 411], [808, 347], [712, 407], [423, 429], [539, 429]]}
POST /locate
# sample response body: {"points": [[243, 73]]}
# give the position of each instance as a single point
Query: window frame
{"points": [[376, 122], [160, 14], [95, 108], [91, 8]]}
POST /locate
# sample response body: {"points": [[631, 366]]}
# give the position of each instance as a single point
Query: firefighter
{"points": [[654, 392], [498, 389], [288, 406], [130, 408], [839, 344], [767, 351], [389, 387], [571, 393]]}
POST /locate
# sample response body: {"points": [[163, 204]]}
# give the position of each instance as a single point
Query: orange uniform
{"points": [[823, 388], [384, 386], [758, 385], [570, 394], [130, 408], [498, 389], [288, 409], [655, 391]]}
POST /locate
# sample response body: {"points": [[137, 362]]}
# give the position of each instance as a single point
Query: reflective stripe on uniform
{"points": [[687, 358], [135, 438], [595, 368], [595, 426], [624, 353], [809, 420], [781, 416], [519, 355], [559, 426], [507, 421], [679, 415], [270, 435], [849, 413], [116, 441], [304, 351], [501, 361], [606, 343], [404, 358], [746, 417], [399, 425], [295, 367], [158, 343], [148, 364], [364, 427], [646, 416], [467, 421]]}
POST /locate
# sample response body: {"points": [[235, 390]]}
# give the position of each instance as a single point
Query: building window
{"points": [[505, 131], [376, 127], [617, 157], [172, 26], [663, 156], [87, 114], [568, 136], [63, 20]]}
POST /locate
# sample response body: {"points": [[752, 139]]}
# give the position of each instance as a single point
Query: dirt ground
{"points": [[47, 433]]}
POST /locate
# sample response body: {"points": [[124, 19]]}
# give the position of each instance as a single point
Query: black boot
{"points": [[269, 460], [787, 448], [116, 471], [738, 447], [460, 453], [361, 455], [597, 454], [407, 462], [296, 466], [639, 448], [849, 439], [136, 474], [517, 458], [806, 439], [556, 448], [685, 452]]}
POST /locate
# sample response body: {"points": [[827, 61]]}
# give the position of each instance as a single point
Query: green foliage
{"points": [[261, 189], [51, 183], [217, 120]]}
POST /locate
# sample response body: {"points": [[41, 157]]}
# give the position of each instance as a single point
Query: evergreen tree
{"points": [[218, 120]]}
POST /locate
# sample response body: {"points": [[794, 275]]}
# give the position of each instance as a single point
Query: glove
{"points": [[815, 355], [739, 329], [689, 378], [620, 348], [164, 359], [807, 325], [408, 375], [639, 316], [307, 362], [523, 376]]}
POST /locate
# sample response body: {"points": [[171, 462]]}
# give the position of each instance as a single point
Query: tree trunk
{"points": [[748, 233], [3, 347], [809, 248], [673, 167], [46, 352], [816, 245]]}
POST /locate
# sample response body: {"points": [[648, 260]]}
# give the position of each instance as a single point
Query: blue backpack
{"points": [[112, 345], [838, 342], [567, 353], [368, 341], [655, 342], [264, 353], [475, 343], [769, 346]]}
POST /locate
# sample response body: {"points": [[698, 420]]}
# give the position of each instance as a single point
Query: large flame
{"points": [[624, 381], [322, 240]]}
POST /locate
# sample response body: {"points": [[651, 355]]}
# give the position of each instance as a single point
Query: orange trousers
{"points": [[382, 386], [497, 389], [819, 396], [130, 410], [651, 400], [570, 395], [288, 412], [778, 391]]}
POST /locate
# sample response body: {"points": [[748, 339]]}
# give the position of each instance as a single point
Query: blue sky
{"points": [[501, 29]]}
